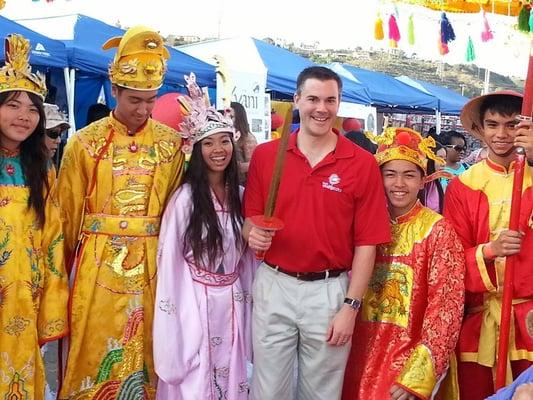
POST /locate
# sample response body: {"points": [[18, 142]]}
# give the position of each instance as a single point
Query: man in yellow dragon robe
{"points": [[116, 177]]}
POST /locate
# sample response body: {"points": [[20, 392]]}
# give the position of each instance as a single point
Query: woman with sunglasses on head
{"points": [[203, 302], [33, 283], [55, 126], [455, 144]]}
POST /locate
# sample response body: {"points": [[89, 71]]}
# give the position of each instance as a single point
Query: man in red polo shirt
{"points": [[333, 205]]}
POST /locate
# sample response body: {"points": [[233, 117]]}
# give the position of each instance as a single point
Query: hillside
{"points": [[465, 79]]}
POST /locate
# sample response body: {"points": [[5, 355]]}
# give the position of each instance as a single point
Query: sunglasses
{"points": [[53, 133], [458, 148]]}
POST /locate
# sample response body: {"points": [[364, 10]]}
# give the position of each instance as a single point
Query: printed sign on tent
{"points": [[249, 90]]}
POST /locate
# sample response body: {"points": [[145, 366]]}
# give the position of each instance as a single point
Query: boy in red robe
{"points": [[411, 314], [478, 205]]}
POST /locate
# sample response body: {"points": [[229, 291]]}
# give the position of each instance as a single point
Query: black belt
{"points": [[309, 276]]}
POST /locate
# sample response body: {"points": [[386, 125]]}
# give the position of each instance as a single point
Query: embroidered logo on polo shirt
{"points": [[333, 180]]}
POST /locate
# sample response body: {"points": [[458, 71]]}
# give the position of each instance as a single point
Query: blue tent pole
{"points": [[437, 121], [71, 86], [70, 102]]}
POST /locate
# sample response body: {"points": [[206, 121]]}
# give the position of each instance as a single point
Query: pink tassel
{"points": [[394, 32], [486, 34]]}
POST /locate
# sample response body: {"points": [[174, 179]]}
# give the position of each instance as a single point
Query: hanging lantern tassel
{"points": [[446, 29], [378, 29], [470, 53], [486, 33], [411, 31], [523, 19], [443, 47], [394, 32]]}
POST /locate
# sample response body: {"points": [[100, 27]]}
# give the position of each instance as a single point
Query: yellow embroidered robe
{"points": [[125, 181], [33, 284]]}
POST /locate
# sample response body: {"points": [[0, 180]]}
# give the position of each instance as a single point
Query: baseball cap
{"points": [[54, 117]]}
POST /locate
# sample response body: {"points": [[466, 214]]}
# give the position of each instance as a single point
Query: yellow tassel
{"points": [[378, 29]]}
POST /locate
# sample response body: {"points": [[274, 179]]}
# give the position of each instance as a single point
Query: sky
{"points": [[333, 23]]}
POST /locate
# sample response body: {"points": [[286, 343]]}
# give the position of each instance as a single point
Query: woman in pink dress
{"points": [[203, 302]]}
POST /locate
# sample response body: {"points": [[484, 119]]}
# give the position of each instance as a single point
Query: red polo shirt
{"points": [[327, 210]]}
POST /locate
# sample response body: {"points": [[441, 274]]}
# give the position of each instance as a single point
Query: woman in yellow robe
{"points": [[33, 282]]}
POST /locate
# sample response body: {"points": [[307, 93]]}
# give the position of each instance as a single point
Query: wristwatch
{"points": [[354, 303]]}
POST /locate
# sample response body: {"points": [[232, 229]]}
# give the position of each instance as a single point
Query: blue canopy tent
{"points": [[44, 51], [46, 55], [284, 66], [84, 39], [86, 55], [391, 95], [450, 102]]}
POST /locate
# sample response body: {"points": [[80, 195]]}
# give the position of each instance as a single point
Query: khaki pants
{"points": [[289, 324]]}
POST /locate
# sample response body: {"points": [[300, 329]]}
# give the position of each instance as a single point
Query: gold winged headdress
{"points": [[16, 73], [140, 61]]}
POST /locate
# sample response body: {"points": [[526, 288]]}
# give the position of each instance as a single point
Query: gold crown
{"points": [[16, 74], [404, 144], [140, 62]]}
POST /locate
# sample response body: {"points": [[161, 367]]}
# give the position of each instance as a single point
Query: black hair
{"points": [[295, 116], [240, 123], [34, 157], [502, 104], [203, 233], [320, 73], [96, 112], [448, 135]]}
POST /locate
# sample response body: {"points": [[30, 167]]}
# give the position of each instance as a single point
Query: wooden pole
{"points": [[516, 200], [278, 170], [267, 221]]}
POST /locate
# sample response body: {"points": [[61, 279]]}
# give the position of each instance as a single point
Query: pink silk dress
{"points": [[202, 331]]}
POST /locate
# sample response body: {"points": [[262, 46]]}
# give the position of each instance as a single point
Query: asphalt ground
{"points": [[50, 354]]}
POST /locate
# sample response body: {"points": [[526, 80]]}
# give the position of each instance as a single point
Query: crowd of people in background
{"points": [[170, 267]]}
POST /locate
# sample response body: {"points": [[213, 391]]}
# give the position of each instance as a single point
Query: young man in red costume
{"points": [[412, 310], [478, 204]]}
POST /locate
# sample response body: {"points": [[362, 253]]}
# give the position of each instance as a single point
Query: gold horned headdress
{"points": [[16, 73], [140, 62], [404, 144]]}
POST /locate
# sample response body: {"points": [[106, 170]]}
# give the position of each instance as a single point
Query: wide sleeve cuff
{"points": [[482, 267], [418, 374]]}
